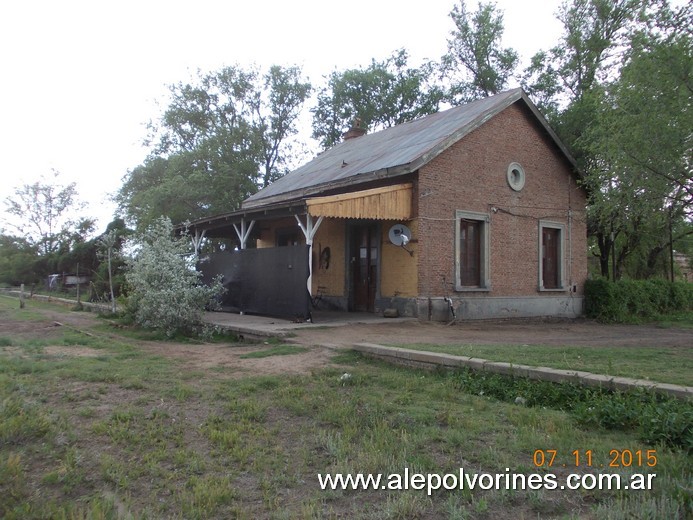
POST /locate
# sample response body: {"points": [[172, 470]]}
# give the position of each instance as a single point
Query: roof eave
{"points": [[362, 178]]}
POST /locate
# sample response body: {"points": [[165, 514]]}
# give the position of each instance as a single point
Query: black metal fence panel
{"points": [[271, 281]]}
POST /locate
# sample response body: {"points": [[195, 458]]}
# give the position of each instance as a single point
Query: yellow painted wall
{"points": [[398, 268], [332, 234]]}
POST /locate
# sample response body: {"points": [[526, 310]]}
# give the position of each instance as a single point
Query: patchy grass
{"points": [[126, 434], [31, 311], [683, 320], [661, 364], [279, 350]]}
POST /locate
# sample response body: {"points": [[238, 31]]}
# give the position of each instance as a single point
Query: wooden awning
{"points": [[388, 203]]}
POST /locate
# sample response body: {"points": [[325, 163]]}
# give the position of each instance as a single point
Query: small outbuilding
{"points": [[476, 210]]}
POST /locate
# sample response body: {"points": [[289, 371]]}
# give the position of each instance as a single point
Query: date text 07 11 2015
{"points": [[625, 458]]}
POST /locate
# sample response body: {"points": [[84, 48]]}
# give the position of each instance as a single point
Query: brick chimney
{"points": [[355, 130]]}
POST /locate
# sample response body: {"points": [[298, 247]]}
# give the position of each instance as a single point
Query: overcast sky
{"points": [[80, 79]]}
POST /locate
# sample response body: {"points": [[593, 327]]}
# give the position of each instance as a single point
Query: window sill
{"points": [[472, 289], [557, 289]]}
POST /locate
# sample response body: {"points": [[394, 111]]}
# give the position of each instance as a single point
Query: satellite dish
{"points": [[400, 235]]}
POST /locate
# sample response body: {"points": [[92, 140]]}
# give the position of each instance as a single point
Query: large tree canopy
{"points": [[384, 94], [562, 79], [476, 65], [17, 260], [642, 142], [616, 88], [221, 137], [43, 214]]}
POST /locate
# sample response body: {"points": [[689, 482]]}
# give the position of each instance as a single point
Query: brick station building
{"points": [[478, 208]]}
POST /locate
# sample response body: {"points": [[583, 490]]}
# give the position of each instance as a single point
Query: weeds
{"points": [[279, 350], [655, 417], [656, 363], [168, 442]]}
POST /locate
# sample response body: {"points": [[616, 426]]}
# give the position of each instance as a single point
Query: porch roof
{"points": [[221, 226], [384, 203], [387, 203]]}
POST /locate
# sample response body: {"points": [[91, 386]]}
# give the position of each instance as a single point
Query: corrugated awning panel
{"points": [[388, 203]]}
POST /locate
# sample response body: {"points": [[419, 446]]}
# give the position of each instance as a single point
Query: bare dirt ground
{"points": [[322, 342], [521, 332]]}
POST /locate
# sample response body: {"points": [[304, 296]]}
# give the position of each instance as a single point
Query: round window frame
{"points": [[516, 181]]}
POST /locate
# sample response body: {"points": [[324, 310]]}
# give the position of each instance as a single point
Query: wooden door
{"points": [[470, 253], [364, 266], [550, 270]]}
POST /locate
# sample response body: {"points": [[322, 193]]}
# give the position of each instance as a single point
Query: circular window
{"points": [[516, 176]]}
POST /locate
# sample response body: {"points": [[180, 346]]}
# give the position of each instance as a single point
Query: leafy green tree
{"points": [[643, 187], [43, 213], [595, 35], [276, 112], [17, 261], [476, 65], [384, 94], [165, 292], [107, 247], [568, 83], [221, 137], [108, 278]]}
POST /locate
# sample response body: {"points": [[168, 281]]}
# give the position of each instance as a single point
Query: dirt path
{"points": [[322, 341], [533, 332]]}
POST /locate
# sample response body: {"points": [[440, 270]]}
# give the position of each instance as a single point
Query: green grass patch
{"points": [[660, 364], [279, 350], [682, 320], [131, 435], [657, 418], [31, 311]]}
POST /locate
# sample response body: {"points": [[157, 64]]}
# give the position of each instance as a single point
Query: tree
{"points": [[44, 214], [568, 83], [102, 259], [476, 65], [221, 137], [384, 94], [643, 189], [17, 260], [165, 292], [596, 33], [276, 112], [107, 244]]}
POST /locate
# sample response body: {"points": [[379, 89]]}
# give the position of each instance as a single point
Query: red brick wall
{"points": [[471, 176]]}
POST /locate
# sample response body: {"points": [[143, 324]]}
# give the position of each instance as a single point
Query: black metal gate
{"points": [[271, 281]]}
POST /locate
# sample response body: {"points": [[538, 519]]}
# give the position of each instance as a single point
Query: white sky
{"points": [[80, 78]]}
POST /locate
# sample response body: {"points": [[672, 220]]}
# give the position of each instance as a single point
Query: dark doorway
{"points": [[363, 256]]}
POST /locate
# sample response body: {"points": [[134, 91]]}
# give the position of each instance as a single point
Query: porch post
{"points": [[243, 233], [309, 231]]}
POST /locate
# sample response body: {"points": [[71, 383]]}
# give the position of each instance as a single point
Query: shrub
{"points": [[165, 292], [633, 300]]}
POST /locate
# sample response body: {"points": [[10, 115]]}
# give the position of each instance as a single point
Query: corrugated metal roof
{"points": [[394, 151]]}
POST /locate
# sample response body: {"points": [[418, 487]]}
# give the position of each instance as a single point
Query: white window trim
{"points": [[561, 260], [485, 251]]}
